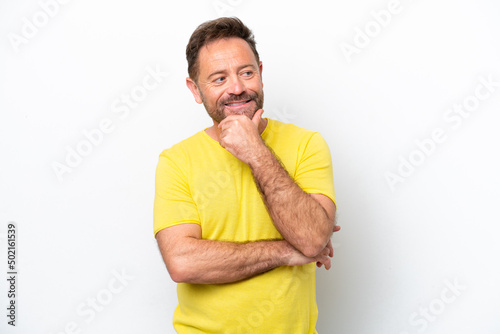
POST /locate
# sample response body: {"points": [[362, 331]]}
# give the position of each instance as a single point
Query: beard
{"points": [[218, 114]]}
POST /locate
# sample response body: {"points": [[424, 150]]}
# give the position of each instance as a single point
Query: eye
{"points": [[247, 73], [220, 80]]}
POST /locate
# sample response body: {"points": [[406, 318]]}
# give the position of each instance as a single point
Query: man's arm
{"points": [[190, 259], [306, 221]]}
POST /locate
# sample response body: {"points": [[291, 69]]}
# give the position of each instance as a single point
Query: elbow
{"points": [[179, 273], [312, 249], [314, 246], [317, 243], [176, 252], [178, 276]]}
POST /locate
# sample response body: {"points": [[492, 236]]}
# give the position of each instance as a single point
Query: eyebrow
{"points": [[224, 71]]}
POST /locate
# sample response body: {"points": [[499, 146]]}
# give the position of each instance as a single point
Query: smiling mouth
{"points": [[235, 104]]}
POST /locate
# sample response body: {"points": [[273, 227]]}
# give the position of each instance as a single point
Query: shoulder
{"points": [[276, 126], [281, 131], [181, 148], [175, 161]]}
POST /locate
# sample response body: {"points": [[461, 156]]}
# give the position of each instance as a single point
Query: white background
{"points": [[400, 246]]}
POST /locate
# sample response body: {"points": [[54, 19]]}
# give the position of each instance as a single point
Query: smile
{"points": [[236, 104]]}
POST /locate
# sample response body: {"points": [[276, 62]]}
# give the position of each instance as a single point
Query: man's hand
{"points": [[322, 259], [336, 228], [240, 136]]}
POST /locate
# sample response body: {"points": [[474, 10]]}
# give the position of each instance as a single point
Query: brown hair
{"points": [[221, 28]]}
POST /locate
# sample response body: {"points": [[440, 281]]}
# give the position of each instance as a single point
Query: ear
{"points": [[260, 69], [194, 90]]}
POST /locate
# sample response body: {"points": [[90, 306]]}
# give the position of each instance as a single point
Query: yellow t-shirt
{"points": [[198, 181]]}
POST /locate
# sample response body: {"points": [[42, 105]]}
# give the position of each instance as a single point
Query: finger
{"points": [[330, 248], [323, 260], [327, 250], [227, 120], [257, 117], [327, 263], [223, 123]]}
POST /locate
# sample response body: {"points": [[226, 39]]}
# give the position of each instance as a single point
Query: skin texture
{"points": [[230, 87], [190, 259]]}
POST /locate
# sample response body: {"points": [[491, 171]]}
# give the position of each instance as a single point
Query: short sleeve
{"points": [[173, 204], [314, 173]]}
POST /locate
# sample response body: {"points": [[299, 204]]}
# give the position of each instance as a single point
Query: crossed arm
{"points": [[306, 221], [190, 259]]}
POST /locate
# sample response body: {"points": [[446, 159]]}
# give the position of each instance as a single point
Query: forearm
{"points": [[215, 262], [299, 218]]}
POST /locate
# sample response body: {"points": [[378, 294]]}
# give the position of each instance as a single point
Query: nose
{"points": [[236, 86]]}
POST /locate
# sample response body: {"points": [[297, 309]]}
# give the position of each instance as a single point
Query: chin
{"points": [[248, 113]]}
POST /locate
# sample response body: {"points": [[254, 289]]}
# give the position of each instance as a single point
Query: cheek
{"points": [[215, 96], [256, 85]]}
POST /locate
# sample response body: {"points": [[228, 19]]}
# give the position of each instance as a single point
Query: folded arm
{"points": [[190, 259], [305, 220]]}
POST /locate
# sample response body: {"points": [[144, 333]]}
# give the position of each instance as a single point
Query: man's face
{"points": [[229, 80]]}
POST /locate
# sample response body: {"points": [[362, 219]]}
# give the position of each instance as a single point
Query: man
{"points": [[244, 208]]}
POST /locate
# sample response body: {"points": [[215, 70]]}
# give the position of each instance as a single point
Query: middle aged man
{"points": [[244, 208]]}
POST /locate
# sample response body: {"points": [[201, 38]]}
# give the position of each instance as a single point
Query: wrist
{"points": [[287, 253], [261, 158]]}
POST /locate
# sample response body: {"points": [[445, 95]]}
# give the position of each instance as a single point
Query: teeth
{"points": [[236, 104]]}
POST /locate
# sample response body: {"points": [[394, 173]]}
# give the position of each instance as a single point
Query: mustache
{"points": [[238, 98]]}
